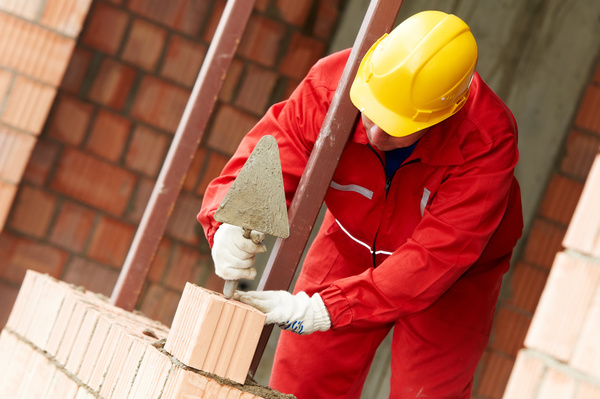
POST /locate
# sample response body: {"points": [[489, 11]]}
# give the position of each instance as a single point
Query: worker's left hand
{"points": [[297, 313]]}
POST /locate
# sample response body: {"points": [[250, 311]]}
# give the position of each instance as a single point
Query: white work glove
{"points": [[297, 313], [234, 254]]}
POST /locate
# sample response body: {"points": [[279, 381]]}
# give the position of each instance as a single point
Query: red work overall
{"points": [[423, 252]]}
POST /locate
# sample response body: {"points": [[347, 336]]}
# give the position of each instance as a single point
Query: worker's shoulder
{"points": [[328, 70], [487, 112]]}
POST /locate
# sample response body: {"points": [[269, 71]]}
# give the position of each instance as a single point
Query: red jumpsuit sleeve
{"points": [[295, 123], [452, 235]]}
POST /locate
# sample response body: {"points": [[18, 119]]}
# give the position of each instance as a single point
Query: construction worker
{"points": [[423, 213]]}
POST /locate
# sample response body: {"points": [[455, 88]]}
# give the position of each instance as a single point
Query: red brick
{"points": [[186, 266], [586, 356], [262, 40], [560, 199], [7, 195], [93, 182], [34, 51], [20, 254], [223, 339], [526, 285], [159, 103], [581, 150], [105, 27], [583, 233], [557, 384], [294, 12], [110, 241], [28, 105], [76, 70], [255, 92], [525, 377], [8, 295], [112, 84], [290, 87], [543, 243], [15, 150], [72, 226], [26, 9], [108, 135], [41, 161], [495, 372], [68, 23], [62, 387], [147, 150], [144, 44], [182, 224], [183, 60], [159, 303], [587, 390], [563, 306], [327, 17], [261, 5], [302, 53], [215, 16], [588, 116], [69, 120], [230, 84], [195, 169], [510, 328], [182, 15], [141, 195], [16, 369], [6, 80], [33, 211], [228, 129], [214, 166]]}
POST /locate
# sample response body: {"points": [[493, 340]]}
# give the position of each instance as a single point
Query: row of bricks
{"points": [[565, 324], [32, 374], [536, 376], [110, 351]]}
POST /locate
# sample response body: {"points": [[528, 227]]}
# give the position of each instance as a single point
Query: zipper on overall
{"points": [[388, 183]]}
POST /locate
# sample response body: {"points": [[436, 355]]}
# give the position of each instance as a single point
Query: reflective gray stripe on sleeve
{"points": [[424, 200], [354, 188]]}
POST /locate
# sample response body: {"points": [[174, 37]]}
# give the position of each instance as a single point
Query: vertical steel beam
{"points": [[339, 123], [181, 153]]}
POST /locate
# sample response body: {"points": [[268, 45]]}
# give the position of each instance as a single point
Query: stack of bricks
{"points": [[37, 40], [64, 342], [561, 358]]}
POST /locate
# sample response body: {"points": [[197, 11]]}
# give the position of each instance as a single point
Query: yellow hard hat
{"points": [[418, 75]]}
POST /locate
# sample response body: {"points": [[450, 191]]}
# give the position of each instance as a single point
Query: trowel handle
{"points": [[229, 288], [231, 285]]}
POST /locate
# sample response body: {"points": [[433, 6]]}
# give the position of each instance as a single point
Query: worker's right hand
{"points": [[234, 254]]}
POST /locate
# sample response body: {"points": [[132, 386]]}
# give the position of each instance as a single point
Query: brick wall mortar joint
{"points": [[563, 367], [582, 256]]}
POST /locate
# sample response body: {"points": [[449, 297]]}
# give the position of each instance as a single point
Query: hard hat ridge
{"points": [[418, 75]]}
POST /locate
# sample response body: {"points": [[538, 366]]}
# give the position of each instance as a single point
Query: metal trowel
{"points": [[256, 199]]}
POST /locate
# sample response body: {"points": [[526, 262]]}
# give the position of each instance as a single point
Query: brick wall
{"points": [[102, 145], [36, 42], [62, 341], [528, 277]]}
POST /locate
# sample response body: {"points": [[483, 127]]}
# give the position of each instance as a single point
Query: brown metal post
{"points": [[181, 153], [337, 127]]}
